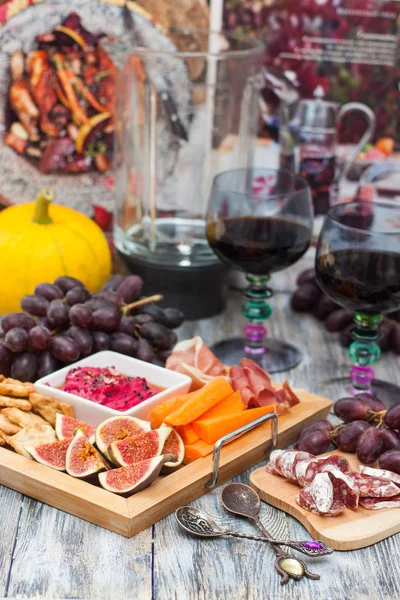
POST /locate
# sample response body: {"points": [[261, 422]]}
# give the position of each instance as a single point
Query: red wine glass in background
{"points": [[358, 266], [259, 221]]}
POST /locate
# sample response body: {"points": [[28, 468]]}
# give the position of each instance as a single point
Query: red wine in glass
{"points": [[358, 266], [258, 244]]}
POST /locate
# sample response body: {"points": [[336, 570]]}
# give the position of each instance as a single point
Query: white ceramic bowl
{"points": [[90, 412]]}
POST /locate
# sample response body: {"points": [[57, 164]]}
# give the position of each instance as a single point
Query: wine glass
{"points": [[358, 266], [259, 221]]}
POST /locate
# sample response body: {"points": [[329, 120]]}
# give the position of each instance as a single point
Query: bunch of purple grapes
{"points": [[63, 322], [370, 431], [308, 297]]}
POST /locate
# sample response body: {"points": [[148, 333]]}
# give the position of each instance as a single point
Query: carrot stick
{"points": [[187, 433], [200, 402], [66, 79], [86, 93], [210, 430], [158, 414], [229, 405], [197, 450]]}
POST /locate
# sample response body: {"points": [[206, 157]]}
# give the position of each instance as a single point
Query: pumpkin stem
{"points": [[41, 215]]}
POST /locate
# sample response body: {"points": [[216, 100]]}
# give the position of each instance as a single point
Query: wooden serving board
{"points": [[349, 531], [128, 516]]}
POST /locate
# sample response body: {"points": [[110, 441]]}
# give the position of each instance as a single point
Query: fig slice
{"points": [[133, 478], [65, 428], [141, 447], [83, 460], [115, 429], [173, 445], [52, 455]]}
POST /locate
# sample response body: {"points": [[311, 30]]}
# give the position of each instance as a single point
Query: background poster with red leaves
{"points": [[349, 47]]}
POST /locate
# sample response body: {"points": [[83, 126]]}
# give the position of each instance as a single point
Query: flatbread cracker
{"points": [[5, 401], [15, 388], [21, 417], [33, 435], [8, 426], [48, 407]]}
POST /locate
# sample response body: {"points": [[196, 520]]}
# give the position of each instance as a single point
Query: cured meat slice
{"points": [[271, 466], [381, 473], [305, 473], [376, 487], [345, 488], [285, 464], [192, 357], [305, 500], [321, 490], [378, 503]]}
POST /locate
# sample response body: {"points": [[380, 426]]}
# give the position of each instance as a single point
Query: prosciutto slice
{"points": [[256, 388], [192, 357]]}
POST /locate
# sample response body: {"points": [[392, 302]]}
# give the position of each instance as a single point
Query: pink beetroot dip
{"points": [[109, 387]]}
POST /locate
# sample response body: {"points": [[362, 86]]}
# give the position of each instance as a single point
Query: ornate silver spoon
{"points": [[240, 499], [198, 523]]}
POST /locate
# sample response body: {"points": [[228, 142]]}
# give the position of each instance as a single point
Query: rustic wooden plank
{"points": [[11, 504], [59, 556]]}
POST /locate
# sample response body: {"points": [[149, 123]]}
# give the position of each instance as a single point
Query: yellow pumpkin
{"points": [[40, 241]]}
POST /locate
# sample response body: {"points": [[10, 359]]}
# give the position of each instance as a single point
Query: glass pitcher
{"points": [[187, 108], [317, 122]]}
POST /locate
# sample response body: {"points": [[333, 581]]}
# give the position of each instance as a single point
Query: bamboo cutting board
{"points": [[128, 516], [349, 531]]}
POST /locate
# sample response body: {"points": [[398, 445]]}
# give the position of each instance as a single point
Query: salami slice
{"points": [[378, 503], [381, 473], [271, 466], [305, 500], [345, 488], [305, 473], [284, 464], [376, 487], [321, 490]]}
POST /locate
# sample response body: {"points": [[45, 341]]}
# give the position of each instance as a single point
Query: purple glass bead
{"points": [[312, 546], [255, 332]]}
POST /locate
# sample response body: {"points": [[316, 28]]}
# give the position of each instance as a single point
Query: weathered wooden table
{"points": [[47, 554]]}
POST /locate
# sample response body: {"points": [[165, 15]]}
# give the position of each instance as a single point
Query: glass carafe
{"points": [[317, 125], [187, 109]]}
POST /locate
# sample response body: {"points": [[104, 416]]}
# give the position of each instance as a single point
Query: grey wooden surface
{"points": [[48, 554]]}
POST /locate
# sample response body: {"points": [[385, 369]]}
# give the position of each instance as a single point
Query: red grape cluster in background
{"points": [[282, 25], [62, 322], [309, 298], [369, 430]]}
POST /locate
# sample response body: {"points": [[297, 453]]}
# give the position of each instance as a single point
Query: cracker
{"points": [[21, 417], [15, 388], [8, 426], [48, 407], [6, 401], [33, 435]]}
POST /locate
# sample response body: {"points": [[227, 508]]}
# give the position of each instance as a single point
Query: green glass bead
{"points": [[258, 294], [364, 353], [256, 311], [367, 319]]}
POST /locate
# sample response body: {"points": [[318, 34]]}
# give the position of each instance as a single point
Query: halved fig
{"points": [[83, 460], [138, 448], [173, 445], [52, 455], [136, 477], [90, 130], [65, 428], [115, 429]]}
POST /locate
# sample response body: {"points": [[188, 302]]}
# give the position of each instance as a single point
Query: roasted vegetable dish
{"points": [[60, 101]]}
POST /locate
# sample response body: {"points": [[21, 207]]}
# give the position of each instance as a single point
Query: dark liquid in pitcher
{"points": [[258, 245], [319, 172], [361, 280]]}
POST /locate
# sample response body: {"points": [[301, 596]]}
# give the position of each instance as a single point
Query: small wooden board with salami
{"points": [[350, 530]]}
